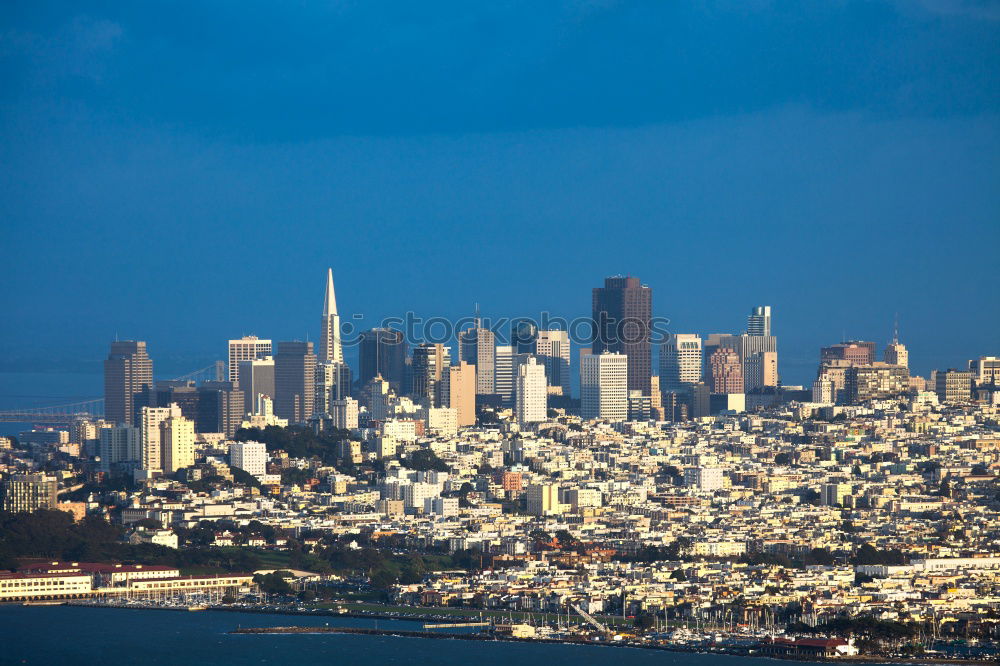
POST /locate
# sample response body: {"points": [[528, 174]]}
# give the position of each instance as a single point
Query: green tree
{"points": [[274, 582]]}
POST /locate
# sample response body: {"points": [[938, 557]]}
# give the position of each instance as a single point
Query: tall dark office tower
{"points": [[128, 371], [166, 392], [382, 352], [294, 381], [622, 314], [220, 408]]}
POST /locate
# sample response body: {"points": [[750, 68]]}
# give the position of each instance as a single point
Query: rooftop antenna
{"points": [[895, 329], [477, 315]]}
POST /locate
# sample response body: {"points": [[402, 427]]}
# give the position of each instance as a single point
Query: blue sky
{"points": [[185, 172]]}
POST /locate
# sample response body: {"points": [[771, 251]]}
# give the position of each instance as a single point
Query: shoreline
{"points": [[728, 651], [409, 633]]}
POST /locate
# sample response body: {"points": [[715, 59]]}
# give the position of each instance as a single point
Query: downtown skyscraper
{"points": [[759, 321], [680, 362], [604, 386], [128, 372], [622, 321], [382, 352], [477, 346], [247, 348], [330, 349], [332, 379], [294, 381], [553, 350]]}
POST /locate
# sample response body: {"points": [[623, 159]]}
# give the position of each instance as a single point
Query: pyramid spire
{"points": [[330, 299], [330, 350]]}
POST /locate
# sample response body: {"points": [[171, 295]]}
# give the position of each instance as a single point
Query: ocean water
{"points": [[71, 635]]}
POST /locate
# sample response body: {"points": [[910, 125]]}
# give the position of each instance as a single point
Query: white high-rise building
{"points": [[823, 391], [378, 394], [332, 382], [531, 392], [330, 349], [503, 373], [543, 499], [553, 349], [441, 506], [477, 346], [152, 445], [442, 420], [385, 447], [177, 443], [604, 386], [119, 444], [704, 478], [344, 413], [247, 348], [251, 457], [985, 370], [414, 494], [680, 362], [896, 354]]}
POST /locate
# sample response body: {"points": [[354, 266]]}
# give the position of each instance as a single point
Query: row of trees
{"points": [[54, 535], [297, 441], [678, 551]]}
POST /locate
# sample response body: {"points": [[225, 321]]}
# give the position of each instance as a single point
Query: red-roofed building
{"points": [[827, 648]]}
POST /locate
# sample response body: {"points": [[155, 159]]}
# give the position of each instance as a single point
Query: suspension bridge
{"points": [[90, 408], [55, 414]]}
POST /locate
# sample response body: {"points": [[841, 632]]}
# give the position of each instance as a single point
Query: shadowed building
{"points": [[382, 352], [294, 381], [430, 362], [256, 379], [552, 349], [622, 317], [128, 371]]}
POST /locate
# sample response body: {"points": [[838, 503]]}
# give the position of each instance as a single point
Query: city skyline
{"points": [[800, 362]]}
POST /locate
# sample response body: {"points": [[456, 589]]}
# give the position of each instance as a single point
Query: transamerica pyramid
{"points": [[330, 349]]}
